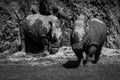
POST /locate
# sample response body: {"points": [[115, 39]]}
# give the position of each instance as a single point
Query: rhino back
{"points": [[96, 34], [35, 31]]}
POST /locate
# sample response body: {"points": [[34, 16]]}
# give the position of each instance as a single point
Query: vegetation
{"points": [[12, 12]]}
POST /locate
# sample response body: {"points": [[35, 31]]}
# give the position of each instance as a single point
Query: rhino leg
{"points": [[46, 50], [97, 55], [79, 54], [23, 45], [46, 46], [89, 54], [23, 40]]}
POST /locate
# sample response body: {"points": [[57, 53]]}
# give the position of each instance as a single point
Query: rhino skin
{"points": [[37, 27], [91, 43]]}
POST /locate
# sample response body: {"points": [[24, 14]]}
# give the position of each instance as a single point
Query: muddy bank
{"points": [[36, 67], [95, 72]]}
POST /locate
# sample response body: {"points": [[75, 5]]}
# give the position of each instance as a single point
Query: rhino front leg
{"points": [[46, 50], [46, 46]]}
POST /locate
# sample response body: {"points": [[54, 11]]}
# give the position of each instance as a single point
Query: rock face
{"points": [[66, 11], [107, 11]]}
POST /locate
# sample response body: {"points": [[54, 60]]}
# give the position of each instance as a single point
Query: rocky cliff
{"points": [[12, 12]]}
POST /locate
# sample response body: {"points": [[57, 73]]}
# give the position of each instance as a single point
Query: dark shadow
{"points": [[72, 64], [33, 46]]}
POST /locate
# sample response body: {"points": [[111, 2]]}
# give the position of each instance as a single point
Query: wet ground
{"points": [[93, 72]]}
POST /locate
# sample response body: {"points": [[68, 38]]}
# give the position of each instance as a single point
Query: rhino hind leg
{"points": [[90, 52], [97, 55]]}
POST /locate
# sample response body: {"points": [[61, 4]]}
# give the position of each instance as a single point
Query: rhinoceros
{"points": [[88, 39], [40, 28]]}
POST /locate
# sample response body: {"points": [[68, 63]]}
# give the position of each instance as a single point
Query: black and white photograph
{"points": [[59, 39]]}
